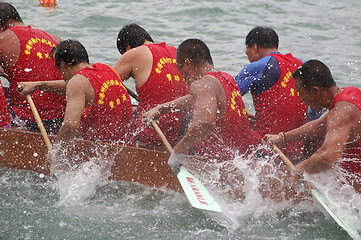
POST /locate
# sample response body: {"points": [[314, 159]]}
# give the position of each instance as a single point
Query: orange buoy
{"points": [[50, 2]]}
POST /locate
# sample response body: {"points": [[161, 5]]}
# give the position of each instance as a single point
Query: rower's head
{"points": [[131, 36], [68, 55], [193, 57], [8, 14], [260, 41], [313, 82]]}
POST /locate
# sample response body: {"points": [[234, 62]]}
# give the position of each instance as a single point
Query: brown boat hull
{"points": [[27, 150]]}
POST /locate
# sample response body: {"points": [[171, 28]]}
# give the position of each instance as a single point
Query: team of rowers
{"points": [[199, 109]]}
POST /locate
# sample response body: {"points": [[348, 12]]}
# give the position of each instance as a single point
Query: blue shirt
{"points": [[259, 76]]}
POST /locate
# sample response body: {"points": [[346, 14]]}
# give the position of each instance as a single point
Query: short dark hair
{"points": [[262, 36], [314, 73], [195, 50], [8, 12], [132, 35], [71, 52]]}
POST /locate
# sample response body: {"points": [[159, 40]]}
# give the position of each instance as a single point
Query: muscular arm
{"points": [[309, 130], [206, 103], [136, 63], [183, 104], [76, 94], [341, 122], [57, 86]]}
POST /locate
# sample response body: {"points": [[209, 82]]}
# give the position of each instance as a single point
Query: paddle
{"points": [[352, 232], [131, 93], [196, 193], [40, 123]]}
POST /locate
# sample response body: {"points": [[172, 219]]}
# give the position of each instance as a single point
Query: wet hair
{"points": [[71, 52], [132, 35], [195, 50], [8, 12], [262, 36], [314, 73]]}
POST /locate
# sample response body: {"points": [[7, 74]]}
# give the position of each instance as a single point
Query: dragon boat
{"points": [[26, 150]]}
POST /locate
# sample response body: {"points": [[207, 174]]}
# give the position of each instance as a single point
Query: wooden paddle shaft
{"points": [[283, 157], [161, 135], [40, 123], [132, 94]]}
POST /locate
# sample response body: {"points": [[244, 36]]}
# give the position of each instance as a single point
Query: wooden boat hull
{"points": [[26, 150]]}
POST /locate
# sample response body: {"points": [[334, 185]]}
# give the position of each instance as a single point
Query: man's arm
{"points": [[183, 104], [311, 129], [259, 76], [76, 98], [340, 121], [206, 104], [57, 86], [136, 63]]}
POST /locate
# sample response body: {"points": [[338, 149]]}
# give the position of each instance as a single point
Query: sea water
{"points": [[86, 206]]}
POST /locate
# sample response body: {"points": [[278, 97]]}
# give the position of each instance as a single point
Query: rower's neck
{"points": [[14, 24], [332, 94], [207, 67]]}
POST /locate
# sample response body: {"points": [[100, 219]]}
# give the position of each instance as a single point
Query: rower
{"points": [[25, 57], [268, 78], [110, 118], [157, 80], [338, 132], [219, 127]]}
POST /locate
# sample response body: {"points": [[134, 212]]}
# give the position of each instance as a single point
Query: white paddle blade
{"points": [[196, 193], [352, 232]]}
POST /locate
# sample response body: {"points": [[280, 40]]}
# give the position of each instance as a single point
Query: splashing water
{"points": [[77, 186], [252, 187], [77, 182]]}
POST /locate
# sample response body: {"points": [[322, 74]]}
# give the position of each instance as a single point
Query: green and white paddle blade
{"points": [[197, 194], [352, 232]]}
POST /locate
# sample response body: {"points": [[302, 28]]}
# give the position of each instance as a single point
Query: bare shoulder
{"points": [[77, 84], [345, 112], [138, 54], [206, 85], [7, 37], [134, 56]]}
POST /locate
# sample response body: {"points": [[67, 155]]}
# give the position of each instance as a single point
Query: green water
{"points": [[32, 208]]}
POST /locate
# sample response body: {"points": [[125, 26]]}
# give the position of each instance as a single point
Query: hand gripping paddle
{"points": [[352, 232]]}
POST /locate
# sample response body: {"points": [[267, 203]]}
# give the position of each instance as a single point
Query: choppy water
{"points": [[32, 207]]}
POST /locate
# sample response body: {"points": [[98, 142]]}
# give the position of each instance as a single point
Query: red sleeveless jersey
{"points": [[165, 83], [352, 95], [280, 109], [110, 118], [35, 64], [232, 133], [4, 111]]}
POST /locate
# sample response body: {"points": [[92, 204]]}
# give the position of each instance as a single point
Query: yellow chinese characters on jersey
{"points": [[105, 87], [235, 95], [160, 65], [30, 45]]}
